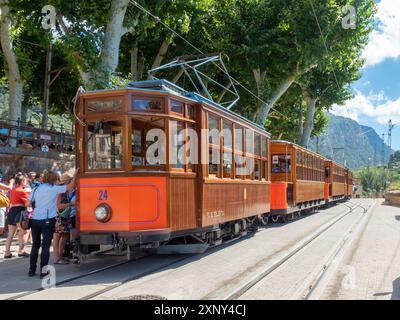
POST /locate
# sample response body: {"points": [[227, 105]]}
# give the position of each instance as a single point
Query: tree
{"points": [[395, 160], [329, 82], [13, 72]]}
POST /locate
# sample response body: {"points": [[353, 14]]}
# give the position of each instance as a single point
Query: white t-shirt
{"points": [[45, 197]]}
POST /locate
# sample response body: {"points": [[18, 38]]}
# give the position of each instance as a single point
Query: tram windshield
{"points": [[104, 145]]}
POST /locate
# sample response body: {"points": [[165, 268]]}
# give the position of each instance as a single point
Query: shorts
{"points": [[14, 215], [2, 217]]}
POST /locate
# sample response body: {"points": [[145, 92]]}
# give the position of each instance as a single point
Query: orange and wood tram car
{"points": [[208, 180]]}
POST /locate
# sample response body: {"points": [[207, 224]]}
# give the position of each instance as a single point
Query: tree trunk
{"points": [[161, 54], [258, 79], [142, 61], [112, 39], [301, 126], [309, 122], [134, 63], [178, 75], [15, 82], [265, 108], [15, 99]]}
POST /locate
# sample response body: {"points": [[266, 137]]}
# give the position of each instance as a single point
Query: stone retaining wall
{"points": [[393, 198], [10, 163]]}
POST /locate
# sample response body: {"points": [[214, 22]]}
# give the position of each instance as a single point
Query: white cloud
{"points": [[385, 38], [377, 107]]}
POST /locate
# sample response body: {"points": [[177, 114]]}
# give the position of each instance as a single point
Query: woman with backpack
{"points": [[44, 203], [18, 198]]}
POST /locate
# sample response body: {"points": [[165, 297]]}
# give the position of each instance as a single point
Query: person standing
{"points": [[4, 203], [63, 223], [18, 198], [44, 204]]}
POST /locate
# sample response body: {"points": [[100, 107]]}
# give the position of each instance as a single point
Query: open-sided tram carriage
{"points": [[134, 195]]}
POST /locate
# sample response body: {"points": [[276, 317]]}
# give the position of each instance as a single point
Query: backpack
{"points": [[4, 201]]}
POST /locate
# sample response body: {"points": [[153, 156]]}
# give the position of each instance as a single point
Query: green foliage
{"points": [[395, 161], [376, 180], [277, 37]]}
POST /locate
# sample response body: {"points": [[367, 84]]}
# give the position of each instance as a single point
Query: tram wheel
{"points": [[264, 219], [275, 218]]}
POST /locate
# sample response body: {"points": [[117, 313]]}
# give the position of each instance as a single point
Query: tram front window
{"points": [[148, 143], [104, 145]]}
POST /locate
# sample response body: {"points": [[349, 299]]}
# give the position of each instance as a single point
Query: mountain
{"points": [[350, 143]]}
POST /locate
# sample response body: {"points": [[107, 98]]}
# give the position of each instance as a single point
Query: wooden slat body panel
{"points": [[183, 200], [338, 189], [309, 191], [226, 201]]}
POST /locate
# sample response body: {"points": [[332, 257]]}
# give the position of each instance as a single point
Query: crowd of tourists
{"points": [[40, 210]]}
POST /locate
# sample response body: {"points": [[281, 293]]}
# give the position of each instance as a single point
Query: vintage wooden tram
{"points": [[128, 200], [170, 170], [298, 181]]}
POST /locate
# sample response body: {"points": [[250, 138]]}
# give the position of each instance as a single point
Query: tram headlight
{"points": [[103, 212]]}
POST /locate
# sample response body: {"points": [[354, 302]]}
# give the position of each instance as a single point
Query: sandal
{"points": [[8, 256], [25, 255]]}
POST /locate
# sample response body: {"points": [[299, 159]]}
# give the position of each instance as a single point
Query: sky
{"points": [[377, 94]]}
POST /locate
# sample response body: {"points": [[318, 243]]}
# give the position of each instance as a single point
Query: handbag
{"points": [[65, 214], [4, 202], [24, 220]]}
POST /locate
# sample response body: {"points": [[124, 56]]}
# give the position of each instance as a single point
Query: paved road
{"points": [[219, 271], [370, 269]]}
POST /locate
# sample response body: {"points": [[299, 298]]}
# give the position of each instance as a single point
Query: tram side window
{"points": [[178, 158], [257, 169], [177, 107], [147, 104], [138, 158], [214, 160], [214, 146], [227, 165], [281, 163], [104, 146], [264, 146], [147, 143], [265, 170]]}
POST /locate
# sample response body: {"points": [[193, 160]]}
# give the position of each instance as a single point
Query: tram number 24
{"points": [[103, 195]]}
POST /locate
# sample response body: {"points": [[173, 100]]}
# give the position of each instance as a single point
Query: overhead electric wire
{"points": [[201, 52]]}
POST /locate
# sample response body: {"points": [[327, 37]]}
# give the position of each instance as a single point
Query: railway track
{"points": [[181, 260], [309, 285], [98, 293], [176, 261]]}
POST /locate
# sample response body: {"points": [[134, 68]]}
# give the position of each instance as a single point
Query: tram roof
{"points": [[166, 86], [310, 151], [299, 147]]}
